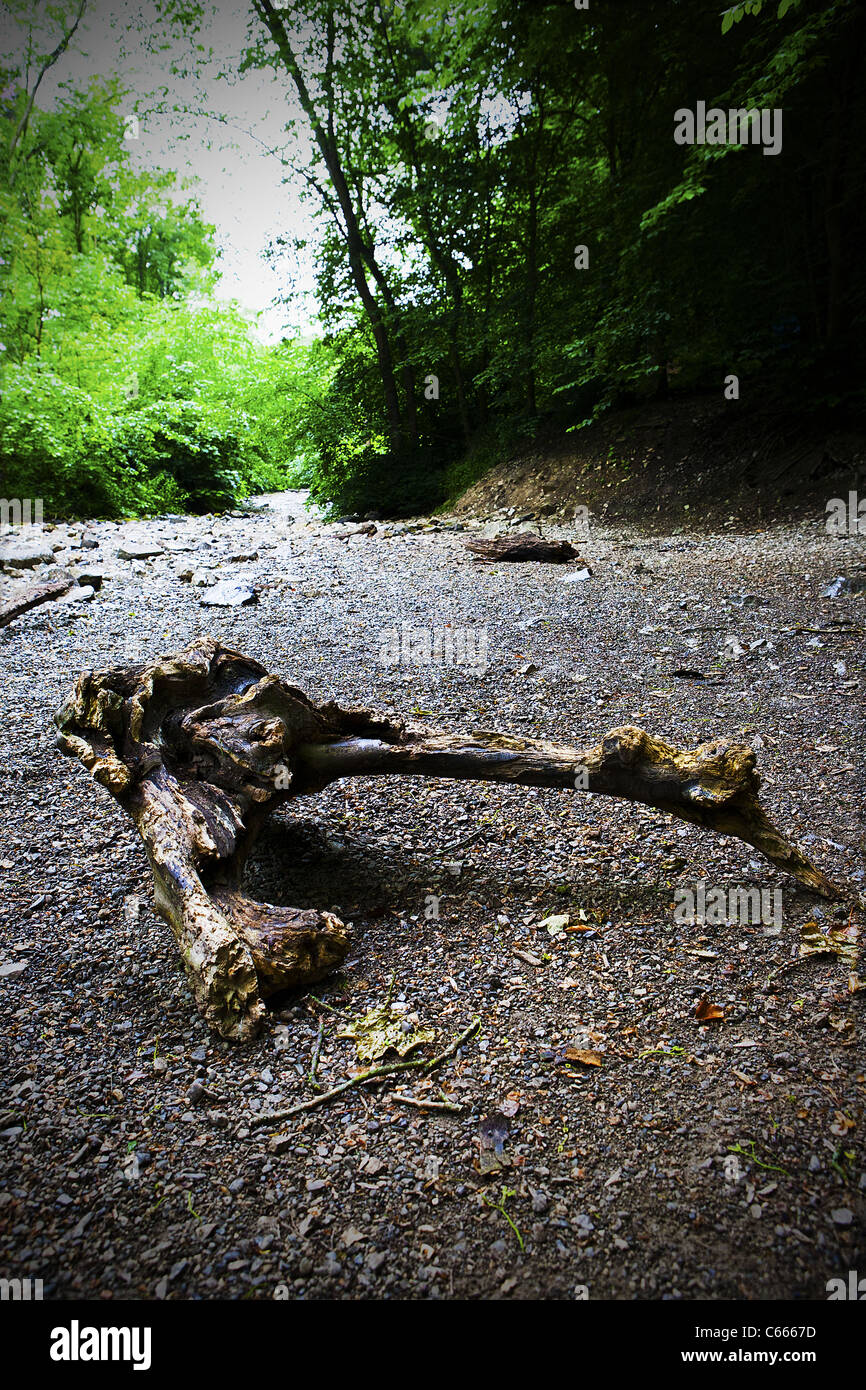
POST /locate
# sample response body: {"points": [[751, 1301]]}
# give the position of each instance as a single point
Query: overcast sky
{"points": [[240, 186]]}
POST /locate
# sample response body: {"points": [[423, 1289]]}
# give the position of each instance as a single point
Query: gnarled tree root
{"points": [[200, 747]]}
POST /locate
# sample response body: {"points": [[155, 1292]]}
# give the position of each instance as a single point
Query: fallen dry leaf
{"points": [[839, 1023], [706, 1012], [584, 1055], [556, 924], [381, 1030], [839, 941], [841, 1124]]}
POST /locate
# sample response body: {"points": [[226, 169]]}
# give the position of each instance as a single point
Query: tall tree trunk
{"points": [[358, 255], [532, 253], [833, 226], [21, 129], [425, 226], [407, 371]]}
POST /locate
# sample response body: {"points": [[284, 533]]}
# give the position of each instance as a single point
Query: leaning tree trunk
{"points": [[200, 747]]}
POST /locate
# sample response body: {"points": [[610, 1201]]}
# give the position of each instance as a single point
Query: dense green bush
{"points": [[174, 448], [354, 471], [125, 386], [360, 482], [84, 458], [56, 443]]}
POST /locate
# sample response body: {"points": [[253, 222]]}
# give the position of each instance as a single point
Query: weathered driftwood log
{"points": [[369, 529], [33, 595], [200, 747], [523, 547]]}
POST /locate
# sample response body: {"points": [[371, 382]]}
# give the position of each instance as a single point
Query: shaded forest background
{"points": [[509, 242]]}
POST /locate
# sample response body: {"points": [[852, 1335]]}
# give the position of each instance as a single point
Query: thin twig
{"points": [[461, 844], [277, 1116], [449, 1106], [317, 1052], [821, 954], [843, 629], [341, 1013]]}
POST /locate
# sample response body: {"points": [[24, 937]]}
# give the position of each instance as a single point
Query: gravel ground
{"points": [[678, 1160]]}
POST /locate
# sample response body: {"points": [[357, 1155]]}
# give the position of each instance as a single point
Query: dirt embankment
{"points": [[697, 461]]}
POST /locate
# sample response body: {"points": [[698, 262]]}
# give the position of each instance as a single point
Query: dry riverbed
{"points": [[636, 1150]]}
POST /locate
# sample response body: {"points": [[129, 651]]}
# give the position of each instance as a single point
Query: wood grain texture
{"points": [[200, 747]]}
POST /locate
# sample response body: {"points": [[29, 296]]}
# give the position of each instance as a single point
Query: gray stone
{"points": [[91, 575], [12, 968], [23, 555], [138, 550], [82, 593], [196, 1093], [228, 594]]}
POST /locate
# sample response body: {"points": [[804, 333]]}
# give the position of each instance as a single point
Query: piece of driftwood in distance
{"points": [[201, 746], [369, 529], [524, 546], [33, 595]]}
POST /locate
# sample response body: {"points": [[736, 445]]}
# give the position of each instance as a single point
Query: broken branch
{"points": [[524, 546], [361, 1077], [33, 595], [200, 747], [447, 1106]]}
